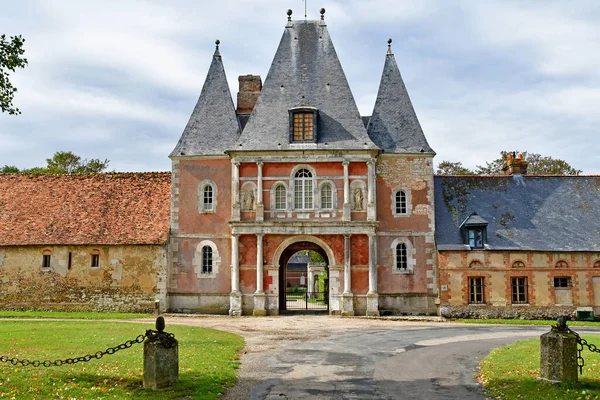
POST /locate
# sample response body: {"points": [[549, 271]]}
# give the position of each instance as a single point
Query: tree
{"points": [[9, 169], [62, 162], [537, 165], [453, 168], [66, 162], [11, 57]]}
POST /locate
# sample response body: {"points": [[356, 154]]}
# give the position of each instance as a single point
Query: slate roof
{"points": [[94, 209], [213, 126], [394, 125], [545, 213], [305, 64]]}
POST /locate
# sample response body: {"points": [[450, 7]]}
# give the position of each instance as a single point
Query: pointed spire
{"points": [[394, 125], [305, 64], [213, 126]]}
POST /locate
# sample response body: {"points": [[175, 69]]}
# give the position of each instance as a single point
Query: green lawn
{"points": [[207, 361], [547, 322], [70, 315], [509, 373]]}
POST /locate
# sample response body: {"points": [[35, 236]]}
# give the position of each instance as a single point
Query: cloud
{"points": [[119, 80]]}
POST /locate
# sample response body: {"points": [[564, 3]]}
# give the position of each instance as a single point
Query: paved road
{"points": [[332, 358]]}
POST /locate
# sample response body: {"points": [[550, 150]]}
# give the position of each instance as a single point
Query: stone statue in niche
{"points": [[248, 201], [358, 199]]}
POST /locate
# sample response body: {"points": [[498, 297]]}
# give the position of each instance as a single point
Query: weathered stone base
{"points": [[499, 312], [347, 304], [259, 305], [190, 303], [558, 357], [407, 304], [235, 304], [372, 305], [161, 365]]}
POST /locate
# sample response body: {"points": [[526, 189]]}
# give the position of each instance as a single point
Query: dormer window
{"points": [[474, 230], [475, 238], [303, 125]]}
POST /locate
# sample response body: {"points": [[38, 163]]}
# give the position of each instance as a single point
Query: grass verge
{"points": [[70, 315], [510, 373], [547, 322], [207, 361]]}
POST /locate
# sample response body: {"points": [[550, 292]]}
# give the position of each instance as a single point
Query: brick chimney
{"points": [[249, 90], [515, 165]]}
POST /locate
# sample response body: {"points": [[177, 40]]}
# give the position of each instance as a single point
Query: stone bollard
{"points": [[161, 358], [558, 354]]}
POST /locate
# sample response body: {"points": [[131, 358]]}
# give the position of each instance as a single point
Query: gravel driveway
{"points": [[323, 357]]}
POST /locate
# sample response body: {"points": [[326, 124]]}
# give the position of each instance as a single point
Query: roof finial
{"points": [[217, 43], [322, 11], [389, 46], [289, 14]]}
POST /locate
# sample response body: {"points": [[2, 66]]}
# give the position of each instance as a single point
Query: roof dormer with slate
{"points": [[213, 126], [305, 70], [394, 125]]}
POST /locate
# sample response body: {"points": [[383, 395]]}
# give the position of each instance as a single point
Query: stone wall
{"points": [[128, 278], [485, 312]]}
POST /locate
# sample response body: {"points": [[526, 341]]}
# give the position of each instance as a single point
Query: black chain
{"points": [[166, 339], [581, 343]]}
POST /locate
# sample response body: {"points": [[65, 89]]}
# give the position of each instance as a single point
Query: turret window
{"points": [[303, 124], [303, 127]]}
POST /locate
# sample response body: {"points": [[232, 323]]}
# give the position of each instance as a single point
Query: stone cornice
{"points": [[303, 227]]}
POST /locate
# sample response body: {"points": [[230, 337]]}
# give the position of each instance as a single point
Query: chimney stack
{"points": [[249, 90], [515, 165]]}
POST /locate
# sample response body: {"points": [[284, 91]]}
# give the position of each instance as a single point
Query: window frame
{"points": [[207, 260], [519, 290], [276, 190], [401, 254], [202, 203], [567, 280], [472, 241], [410, 256], [561, 264], [518, 264], [304, 112], [476, 289], [198, 260], [326, 199], [304, 190], [46, 260], [407, 201]]}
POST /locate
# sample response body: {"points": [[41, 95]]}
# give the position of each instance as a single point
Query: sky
{"points": [[118, 80]]}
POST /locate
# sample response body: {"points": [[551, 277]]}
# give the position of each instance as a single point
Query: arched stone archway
{"points": [[283, 254]]}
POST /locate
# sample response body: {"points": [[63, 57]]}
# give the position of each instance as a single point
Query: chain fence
{"points": [[581, 343], [166, 339]]}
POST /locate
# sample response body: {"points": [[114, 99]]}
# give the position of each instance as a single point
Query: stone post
{"points": [[235, 190], [161, 358], [347, 296], [235, 298], [558, 354], [372, 295], [347, 207], [371, 209], [259, 295], [260, 207]]}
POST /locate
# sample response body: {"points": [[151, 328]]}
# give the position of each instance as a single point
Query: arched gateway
{"points": [[304, 286]]}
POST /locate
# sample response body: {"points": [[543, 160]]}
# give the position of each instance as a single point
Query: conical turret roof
{"points": [[394, 125], [213, 126], [305, 71]]}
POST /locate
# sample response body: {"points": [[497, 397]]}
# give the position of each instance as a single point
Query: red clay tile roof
{"points": [[111, 208]]}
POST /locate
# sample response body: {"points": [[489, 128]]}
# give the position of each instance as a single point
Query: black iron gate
{"points": [[306, 301]]}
